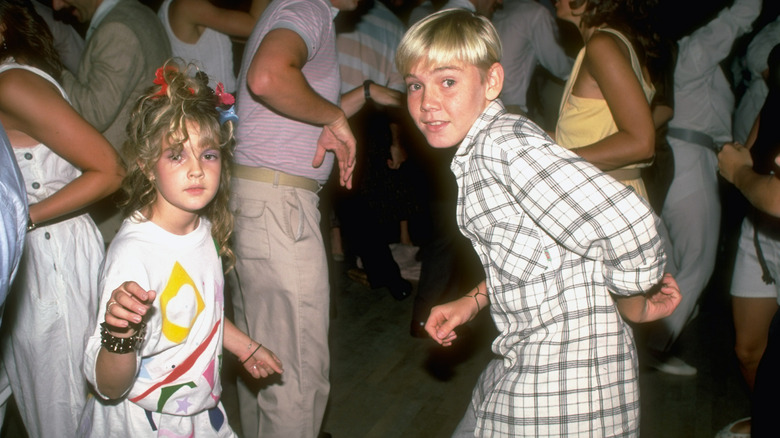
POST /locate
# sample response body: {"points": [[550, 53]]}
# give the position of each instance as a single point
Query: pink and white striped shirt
{"points": [[267, 139]]}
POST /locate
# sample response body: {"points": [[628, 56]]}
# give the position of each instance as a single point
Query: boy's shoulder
{"points": [[498, 128]]}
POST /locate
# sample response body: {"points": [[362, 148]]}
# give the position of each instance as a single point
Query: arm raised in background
{"points": [[189, 18]]}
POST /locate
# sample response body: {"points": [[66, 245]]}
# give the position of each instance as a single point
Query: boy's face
{"points": [[445, 101]]}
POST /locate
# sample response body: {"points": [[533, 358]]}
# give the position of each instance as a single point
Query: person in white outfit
{"points": [[66, 165], [755, 61], [704, 103], [200, 32], [529, 37]]}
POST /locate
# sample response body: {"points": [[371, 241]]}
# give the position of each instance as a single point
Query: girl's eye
{"points": [[449, 82], [175, 157], [210, 156]]}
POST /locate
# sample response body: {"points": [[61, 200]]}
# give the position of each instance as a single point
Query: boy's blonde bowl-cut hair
{"points": [[449, 37]]}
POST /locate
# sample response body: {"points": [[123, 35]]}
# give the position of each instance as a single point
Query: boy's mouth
{"points": [[434, 125]]}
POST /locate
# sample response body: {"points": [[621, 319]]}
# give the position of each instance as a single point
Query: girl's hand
{"points": [[262, 363], [128, 305]]}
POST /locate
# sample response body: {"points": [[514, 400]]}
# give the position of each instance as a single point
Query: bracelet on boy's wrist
{"points": [[118, 345]]}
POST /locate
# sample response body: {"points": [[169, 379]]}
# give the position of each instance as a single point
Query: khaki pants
{"points": [[282, 301]]}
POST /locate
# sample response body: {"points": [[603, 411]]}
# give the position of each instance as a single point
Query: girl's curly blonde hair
{"points": [[180, 96]]}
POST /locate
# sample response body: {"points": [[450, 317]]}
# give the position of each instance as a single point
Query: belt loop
{"points": [[276, 180]]}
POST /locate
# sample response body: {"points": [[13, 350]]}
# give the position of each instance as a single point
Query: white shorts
{"points": [[747, 280]]}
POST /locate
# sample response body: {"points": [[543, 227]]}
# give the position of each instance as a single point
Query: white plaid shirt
{"points": [[555, 236]]}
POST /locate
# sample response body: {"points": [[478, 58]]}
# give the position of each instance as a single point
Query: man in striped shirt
{"points": [[292, 126]]}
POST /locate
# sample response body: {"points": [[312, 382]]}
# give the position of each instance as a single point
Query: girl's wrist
{"points": [[252, 348]]}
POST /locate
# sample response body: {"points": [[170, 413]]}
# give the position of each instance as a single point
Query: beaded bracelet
{"points": [[118, 345]]}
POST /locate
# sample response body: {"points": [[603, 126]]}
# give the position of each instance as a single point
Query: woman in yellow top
{"points": [[605, 112]]}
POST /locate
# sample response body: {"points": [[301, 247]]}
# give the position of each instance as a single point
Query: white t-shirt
{"points": [[177, 389]]}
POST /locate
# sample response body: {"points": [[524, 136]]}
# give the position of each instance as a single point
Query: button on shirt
{"points": [[555, 236]]}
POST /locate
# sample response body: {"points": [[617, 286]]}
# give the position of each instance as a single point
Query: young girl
{"points": [[67, 165], [156, 353]]}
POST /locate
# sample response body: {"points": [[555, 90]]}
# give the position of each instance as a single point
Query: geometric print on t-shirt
{"points": [[181, 303]]}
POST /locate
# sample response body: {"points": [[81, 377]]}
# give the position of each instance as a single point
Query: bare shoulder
{"points": [[606, 46], [18, 85]]}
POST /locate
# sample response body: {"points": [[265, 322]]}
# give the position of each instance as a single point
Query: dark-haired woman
{"points": [[66, 165], [605, 112]]}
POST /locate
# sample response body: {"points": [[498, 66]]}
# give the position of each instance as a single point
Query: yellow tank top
{"points": [[583, 121]]}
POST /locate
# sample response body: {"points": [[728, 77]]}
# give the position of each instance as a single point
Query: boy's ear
{"points": [[494, 80]]}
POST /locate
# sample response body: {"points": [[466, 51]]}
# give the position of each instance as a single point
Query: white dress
{"points": [[52, 300]]}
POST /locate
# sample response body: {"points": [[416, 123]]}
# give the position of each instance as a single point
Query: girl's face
{"points": [[186, 180]]}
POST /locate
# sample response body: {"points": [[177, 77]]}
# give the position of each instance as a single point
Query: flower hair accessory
{"points": [[159, 79], [223, 99]]}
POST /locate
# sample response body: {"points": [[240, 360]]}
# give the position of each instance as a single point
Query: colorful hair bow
{"points": [[159, 79], [223, 98], [227, 114]]}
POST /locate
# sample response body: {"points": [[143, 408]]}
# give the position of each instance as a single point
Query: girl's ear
{"points": [[494, 81]]}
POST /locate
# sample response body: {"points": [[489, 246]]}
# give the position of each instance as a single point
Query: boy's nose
{"points": [[429, 101]]}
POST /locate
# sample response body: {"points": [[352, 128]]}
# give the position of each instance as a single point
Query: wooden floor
{"points": [[386, 384]]}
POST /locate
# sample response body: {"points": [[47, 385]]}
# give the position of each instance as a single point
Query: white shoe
{"points": [[726, 432], [670, 365]]}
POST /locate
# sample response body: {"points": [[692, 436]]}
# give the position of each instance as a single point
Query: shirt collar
{"points": [[494, 109], [100, 13]]}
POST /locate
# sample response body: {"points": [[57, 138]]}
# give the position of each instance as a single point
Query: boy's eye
{"points": [[413, 86], [448, 82]]}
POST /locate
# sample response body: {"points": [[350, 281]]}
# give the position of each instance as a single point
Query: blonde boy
{"points": [[566, 249]]}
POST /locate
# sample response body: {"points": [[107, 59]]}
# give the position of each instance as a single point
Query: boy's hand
{"points": [[262, 363], [445, 318], [661, 303], [128, 305]]}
